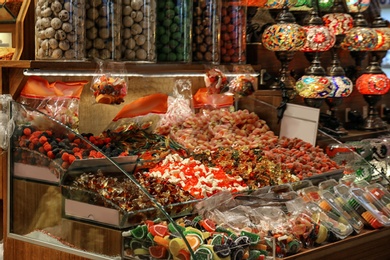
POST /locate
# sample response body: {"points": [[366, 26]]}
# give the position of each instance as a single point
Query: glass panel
{"points": [[66, 192]]}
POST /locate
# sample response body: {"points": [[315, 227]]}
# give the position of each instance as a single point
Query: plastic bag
{"points": [[6, 123], [108, 88], [211, 96], [180, 106], [141, 114], [59, 100], [243, 83]]}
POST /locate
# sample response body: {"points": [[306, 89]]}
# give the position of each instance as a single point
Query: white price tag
{"points": [[300, 122]]}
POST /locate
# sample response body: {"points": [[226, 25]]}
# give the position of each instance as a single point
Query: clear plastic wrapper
{"points": [[327, 185], [371, 212], [299, 185], [59, 100], [211, 96], [327, 202], [6, 121], [339, 229], [311, 193], [108, 88], [377, 192], [180, 106], [335, 204], [276, 223]]}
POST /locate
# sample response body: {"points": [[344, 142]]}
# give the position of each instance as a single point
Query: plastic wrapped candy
{"points": [[371, 210], [108, 88], [59, 100], [6, 123]]}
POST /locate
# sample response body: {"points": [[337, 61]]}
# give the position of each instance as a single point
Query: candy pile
{"points": [[125, 194], [211, 129], [249, 164], [208, 131], [64, 149], [159, 239], [196, 178], [109, 90]]}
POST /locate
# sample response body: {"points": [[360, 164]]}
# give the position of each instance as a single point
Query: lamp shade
{"points": [[339, 23], [324, 5], [310, 86], [356, 6], [373, 84], [318, 38], [360, 39], [279, 4], [258, 3], [284, 37], [341, 86], [383, 39]]}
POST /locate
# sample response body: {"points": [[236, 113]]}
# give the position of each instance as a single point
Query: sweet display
{"points": [[233, 31], [102, 30], [60, 30], [173, 31], [109, 90], [265, 223], [137, 30], [124, 193], [59, 100], [205, 28]]}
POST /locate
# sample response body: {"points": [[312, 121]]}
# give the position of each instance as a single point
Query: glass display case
{"points": [[67, 194]]}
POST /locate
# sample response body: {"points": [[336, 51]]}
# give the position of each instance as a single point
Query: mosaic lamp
{"points": [[340, 23], [358, 40], [372, 84], [284, 38], [380, 26], [341, 87]]}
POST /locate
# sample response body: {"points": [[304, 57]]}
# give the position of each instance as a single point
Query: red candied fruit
{"points": [[27, 131]]}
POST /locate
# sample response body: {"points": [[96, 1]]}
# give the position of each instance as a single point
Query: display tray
{"points": [[335, 174], [37, 173], [91, 207], [35, 166]]}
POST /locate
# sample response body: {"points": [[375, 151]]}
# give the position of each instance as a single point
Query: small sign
{"points": [[300, 122]]}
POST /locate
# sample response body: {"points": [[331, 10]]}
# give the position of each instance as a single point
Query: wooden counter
{"points": [[370, 245]]}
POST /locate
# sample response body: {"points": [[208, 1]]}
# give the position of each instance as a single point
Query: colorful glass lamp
{"points": [[383, 45], [314, 86], [360, 39], [372, 84], [284, 38], [342, 87]]}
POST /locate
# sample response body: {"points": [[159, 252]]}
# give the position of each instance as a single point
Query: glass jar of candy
{"points": [[233, 31], [139, 30], [59, 30], [205, 31], [103, 24], [173, 31]]}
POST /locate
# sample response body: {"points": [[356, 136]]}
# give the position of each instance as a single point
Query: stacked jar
{"points": [[173, 30], [205, 31], [233, 31], [138, 30], [103, 24], [59, 30]]}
